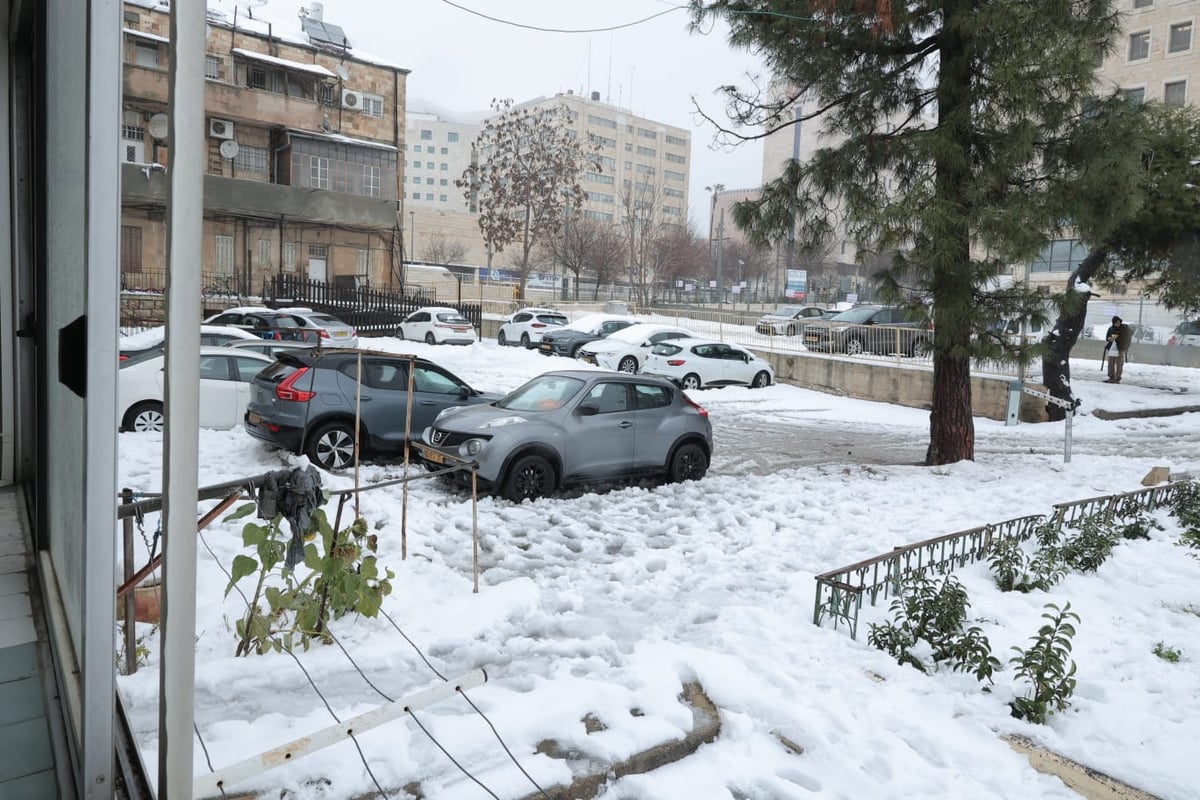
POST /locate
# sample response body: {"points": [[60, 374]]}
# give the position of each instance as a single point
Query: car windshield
{"points": [[784, 311], [543, 393], [589, 324], [635, 334], [453, 319], [856, 315]]}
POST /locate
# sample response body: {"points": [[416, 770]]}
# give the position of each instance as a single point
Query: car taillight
{"points": [[676, 362], [538, 325], [701, 410], [324, 334], [286, 390], [123, 358]]}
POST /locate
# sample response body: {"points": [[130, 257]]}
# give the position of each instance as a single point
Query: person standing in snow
{"points": [[1117, 338]]}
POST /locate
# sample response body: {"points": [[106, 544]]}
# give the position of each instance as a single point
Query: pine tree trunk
{"points": [[1056, 364], [951, 427]]}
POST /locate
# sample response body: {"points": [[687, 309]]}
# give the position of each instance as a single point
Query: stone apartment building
{"points": [[304, 136]]}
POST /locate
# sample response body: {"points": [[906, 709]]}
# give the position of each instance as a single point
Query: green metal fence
{"points": [[840, 592]]}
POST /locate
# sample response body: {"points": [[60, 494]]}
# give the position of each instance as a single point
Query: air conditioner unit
{"points": [[352, 99], [220, 129]]}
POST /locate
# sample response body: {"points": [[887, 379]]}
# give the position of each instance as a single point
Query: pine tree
{"points": [[943, 113]]}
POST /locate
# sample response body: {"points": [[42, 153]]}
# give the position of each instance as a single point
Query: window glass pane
{"points": [[1175, 94], [1181, 37], [1139, 45]]}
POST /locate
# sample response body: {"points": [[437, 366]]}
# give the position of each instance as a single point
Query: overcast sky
{"points": [[461, 61]]}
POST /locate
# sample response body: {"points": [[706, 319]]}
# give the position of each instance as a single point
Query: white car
{"points": [[702, 363], [152, 339], [331, 331], [527, 326], [225, 376], [626, 350], [437, 325], [788, 320]]}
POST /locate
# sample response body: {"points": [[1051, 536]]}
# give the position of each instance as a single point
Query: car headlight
{"points": [[471, 447], [502, 421]]}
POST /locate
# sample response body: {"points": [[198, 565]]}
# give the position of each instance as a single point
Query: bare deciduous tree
{"points": [[441, 250], [524, 177]]}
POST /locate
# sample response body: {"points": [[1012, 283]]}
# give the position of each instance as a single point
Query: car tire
{"points": [[688, 463], [530, 477], [920, 349], [854, 346], [761, 380], [331, 446], [430, 338], [144, 417], [690, 381], [791, 330], [501, 339], [575, 351], [399, 333], [628, 364], [525, 340]]}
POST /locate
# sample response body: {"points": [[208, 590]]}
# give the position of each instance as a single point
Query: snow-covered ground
{"points": [[605, 603]]}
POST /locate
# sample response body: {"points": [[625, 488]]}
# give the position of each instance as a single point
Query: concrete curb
{"points": [[1083, 780], [1144, 413]]}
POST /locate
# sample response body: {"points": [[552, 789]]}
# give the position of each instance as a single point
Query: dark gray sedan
{"points": [[567, 340], [570, 427]]}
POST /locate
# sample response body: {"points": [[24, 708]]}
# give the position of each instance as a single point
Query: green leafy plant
{"points": [[1185, 507], [933, 613], [1047, 666], [1090, 546], [1015, 571], [343, 576], [1167, 653]]}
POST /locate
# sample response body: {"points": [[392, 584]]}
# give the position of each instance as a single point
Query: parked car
{"points": [[268, 347], [1186, 333], [528, 325], [574, 426], [330, 330], [437, 325], [704, 363], [626, 350], [872, 329], [567, 340], [305, 402], [264, 323], [149, 343], [225, 377], [788, 320]]}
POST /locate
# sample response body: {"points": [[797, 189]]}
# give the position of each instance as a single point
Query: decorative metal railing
{"points": [[840, 592]]}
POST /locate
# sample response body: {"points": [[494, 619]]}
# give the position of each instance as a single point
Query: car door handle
{"points": [[365, 398], [427, 403], [625, 424]]}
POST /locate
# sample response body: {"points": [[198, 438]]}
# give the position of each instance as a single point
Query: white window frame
{"points": [[1171, 36], [371, 180], [372, 105], [223, 254], [1129, 49], [142, 52], [264, 254], [318, 172], [289, 256], [1172, 83]]}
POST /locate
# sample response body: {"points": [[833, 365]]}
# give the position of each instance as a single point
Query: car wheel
{"points": [[791, 330], [144, 417], [920, 349], [529, 478], [628, 364], [399, 333], [501, 339], [688, 464], [525, 340], [761, 380], [430, 338], [854, 347], [332, 445], [575, 351], [690, 381]]}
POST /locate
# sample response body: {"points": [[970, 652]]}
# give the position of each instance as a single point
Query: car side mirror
{"points": [[588, 409], [465, 392], [746, 357]]}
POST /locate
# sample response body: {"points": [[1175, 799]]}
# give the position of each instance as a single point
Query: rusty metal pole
{"points": [[474, 528], [130, 622], [412, 364], [357, 428]]}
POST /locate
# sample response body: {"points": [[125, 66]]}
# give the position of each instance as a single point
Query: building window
{"points": [[595, 177], [601, 122], [444, 166], [132, 19], [372, 105], [145, 55], [1143, 3], [673, 176], [1180, 38], [441, 198], [426, 134], [676, 140], [1061, 255], [264, 253], [647, 133], [363, 267], [669, 192], [371, 187], [645, 169], [1139, 45], [603, 141], [628, 165], [429, 181], [429, 196], [1136, 96], [629, 147], [443, 182], [133, 132], [223, 255], [445, 151], [416, 196], [1175, 93], [646, 151], [599, 216], [452, 136], [289, 256], [131, 248], [212, 67], [251, 159], [600, 197], [676, 159], [318, 172]]}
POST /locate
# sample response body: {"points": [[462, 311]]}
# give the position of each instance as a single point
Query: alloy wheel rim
{"points": [[335, 449]]}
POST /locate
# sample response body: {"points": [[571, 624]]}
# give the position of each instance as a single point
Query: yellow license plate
{"points": [[254, 417], [432, 455]]}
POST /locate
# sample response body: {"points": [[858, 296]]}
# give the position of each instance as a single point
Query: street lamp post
{"points": [[715, 189], [412, 235]]}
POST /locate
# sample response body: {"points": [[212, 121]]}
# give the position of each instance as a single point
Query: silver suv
{"points": [[574, 426]]}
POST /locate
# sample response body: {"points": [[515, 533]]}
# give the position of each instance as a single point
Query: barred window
{"points": [[223, 254], [251, 159], [131, 248], [212, 67], [372, 105], [452, 136]]}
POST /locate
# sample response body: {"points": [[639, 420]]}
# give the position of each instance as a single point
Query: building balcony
{"points": [[142, 187]]}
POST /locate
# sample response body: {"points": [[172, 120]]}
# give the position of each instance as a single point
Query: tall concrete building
{"points": [[437, 152], [303, 136]]}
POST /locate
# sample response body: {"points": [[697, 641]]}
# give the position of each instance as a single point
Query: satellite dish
{"points": [[158, 126], [229, 149], [343, 72]]}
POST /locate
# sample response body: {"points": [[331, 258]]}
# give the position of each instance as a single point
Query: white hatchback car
{"points": [[527, 326], [703, 363], [437, 325], [332, 332], [626, 350], [225, 375]]}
